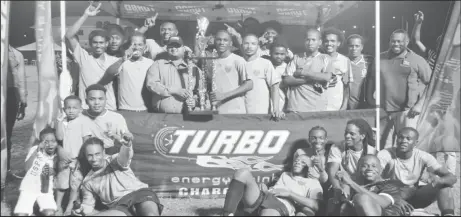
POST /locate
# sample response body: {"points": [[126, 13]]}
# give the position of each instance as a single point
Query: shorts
{"points": [[126, 203], [267, 201], [423, 196], [27, 200], [68, 178]]}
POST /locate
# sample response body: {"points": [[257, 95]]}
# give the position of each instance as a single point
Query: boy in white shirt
{"points": [[71, 130], [292, 193], [31, 189]]}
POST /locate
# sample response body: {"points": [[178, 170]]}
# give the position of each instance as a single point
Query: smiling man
{"points": [[92, 65], [404, 79], [405, 163]]}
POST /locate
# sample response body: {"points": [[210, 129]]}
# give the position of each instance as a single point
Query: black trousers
{"points": [[11, 112]]}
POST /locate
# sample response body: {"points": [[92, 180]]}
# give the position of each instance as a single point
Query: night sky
{"points": [[362, 16]]}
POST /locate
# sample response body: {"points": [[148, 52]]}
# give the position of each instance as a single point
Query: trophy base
{"points": [[203, 112]]}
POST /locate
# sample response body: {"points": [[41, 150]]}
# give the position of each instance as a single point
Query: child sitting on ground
{"points": [[71, 131], [40, 164]]}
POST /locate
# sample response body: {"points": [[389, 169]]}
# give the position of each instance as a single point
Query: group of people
{"points": [[89, 151]]}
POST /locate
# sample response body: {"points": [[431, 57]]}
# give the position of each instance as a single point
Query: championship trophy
{"points": [[205, 106]]}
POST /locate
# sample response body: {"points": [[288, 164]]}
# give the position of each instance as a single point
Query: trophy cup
{"points": [[204, 105]]}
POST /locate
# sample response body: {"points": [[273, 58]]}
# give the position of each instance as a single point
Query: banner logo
{"points": [[233, 149]]}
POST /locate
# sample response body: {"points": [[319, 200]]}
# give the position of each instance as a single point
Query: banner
{"points": [[293, 13], [5, 20], [48, 98], [196, 156], [439, 123]]}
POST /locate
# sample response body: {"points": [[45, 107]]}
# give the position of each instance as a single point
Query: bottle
{"points": [[45, 178]]}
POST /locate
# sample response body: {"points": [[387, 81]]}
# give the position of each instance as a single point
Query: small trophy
{"points": [[205, 106]]}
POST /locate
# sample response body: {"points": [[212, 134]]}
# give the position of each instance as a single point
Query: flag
{"points": [[439, 123], [48, 97], [5, 8]]}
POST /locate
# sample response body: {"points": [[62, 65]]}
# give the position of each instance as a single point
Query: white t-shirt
{"points": [[347, 159], [32, 181], [91, 71], [342, 70], [74, 131], [132, 75], [264, 76], [306, 187], [101, 124], [408, 171]]}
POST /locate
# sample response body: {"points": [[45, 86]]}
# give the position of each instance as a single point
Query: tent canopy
{"points": [[286, 12], [33, 47]]}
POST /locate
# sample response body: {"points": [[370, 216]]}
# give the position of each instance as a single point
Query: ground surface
{"points": [[177, 207]]}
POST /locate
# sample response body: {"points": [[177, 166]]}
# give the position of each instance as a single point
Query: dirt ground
{"points": [[176, 207]]}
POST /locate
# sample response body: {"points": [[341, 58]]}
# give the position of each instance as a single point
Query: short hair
{"points": [[47, 130], [314, 30], [278, 42], [333, 31], [136, 34], [273, 24], [355, 36], [250, 34], [114, 28], [223, 31], [72, 97], [319, 128], [410, 129], [169, 22], [368, 156], [93, 141], [98, 32], [95, 87], [250, 19], [401, 31]]}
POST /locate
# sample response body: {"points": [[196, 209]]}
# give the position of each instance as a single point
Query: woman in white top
{"points": [[358, 141]]}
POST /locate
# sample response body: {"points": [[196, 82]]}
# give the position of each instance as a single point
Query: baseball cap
{"points": [[175, 39]]}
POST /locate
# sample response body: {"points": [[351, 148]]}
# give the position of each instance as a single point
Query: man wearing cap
{"points": [[168, 80], [167, 30], [404, 78]]}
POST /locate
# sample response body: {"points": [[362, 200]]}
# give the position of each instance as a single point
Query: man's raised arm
{"points": [[72, 32]]}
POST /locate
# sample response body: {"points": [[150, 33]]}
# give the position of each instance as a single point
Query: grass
{"points": [[172, 206]]}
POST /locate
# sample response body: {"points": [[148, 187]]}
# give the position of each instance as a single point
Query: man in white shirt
{"points": [[92, 65], [131, 71], [406, 163], [291, 188], [265, 80]]}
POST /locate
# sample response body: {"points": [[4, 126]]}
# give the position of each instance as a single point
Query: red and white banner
{"points": [[48, 98], [439, 123]]}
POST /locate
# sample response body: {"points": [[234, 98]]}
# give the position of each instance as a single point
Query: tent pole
{"points": [[377, 72], [63, 32]]}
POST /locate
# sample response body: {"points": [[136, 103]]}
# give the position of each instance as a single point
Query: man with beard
{"points": [[406, 163], [116, 40], [92, 65], [112, 181], [168, 80], [292, 193], [167, 30], [404, 80], [265, 79], [338, 88], [231, 77], [131, 71], [360, 92], [373, 195], [305, 75]]}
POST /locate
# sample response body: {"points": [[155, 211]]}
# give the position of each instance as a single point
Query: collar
{"points": [[403, 55], [176, 63], [362, 59], [311, 56]]}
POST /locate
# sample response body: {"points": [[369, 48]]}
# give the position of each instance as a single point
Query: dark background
{"points": [[362, 16]]}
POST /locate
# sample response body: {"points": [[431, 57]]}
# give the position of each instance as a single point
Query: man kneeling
{"points": [[292, 193], [115, 184]]}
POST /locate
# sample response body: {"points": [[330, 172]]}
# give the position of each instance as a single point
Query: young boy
{"points": [[292, 193], [71, 131], [40, 161]]}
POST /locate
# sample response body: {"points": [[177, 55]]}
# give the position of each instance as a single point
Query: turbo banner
{"points": [[439, 123], [195, 156]]}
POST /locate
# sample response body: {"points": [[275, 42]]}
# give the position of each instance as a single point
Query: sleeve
{"points": [[280, 182], [85, 128], [32, 150], [391, 190], [291, 67], [430, 161], [315, 190], [272, 77], [152, 48], [153, 81], [384, 157], [335, 155], [80, 54], [242, 70], [88, 201], [424, 71]]}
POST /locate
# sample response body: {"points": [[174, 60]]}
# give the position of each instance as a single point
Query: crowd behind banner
{"points": [[246, 73]]}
